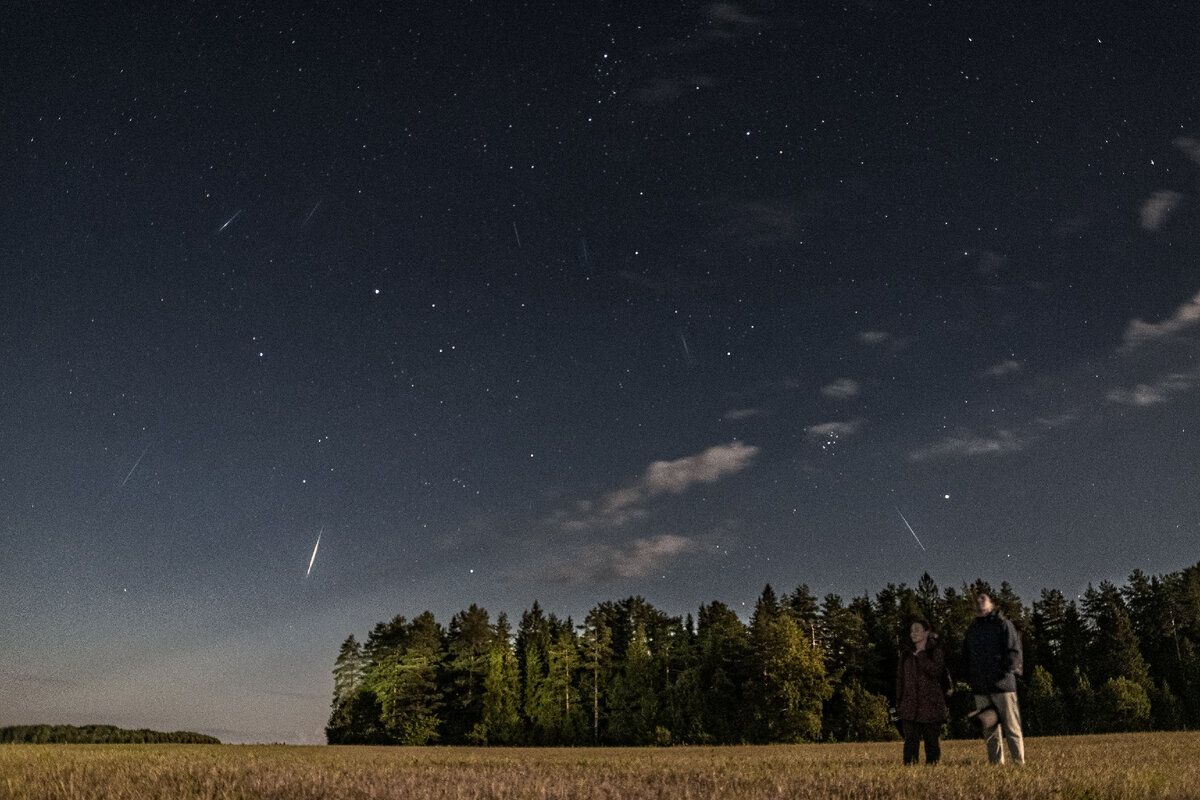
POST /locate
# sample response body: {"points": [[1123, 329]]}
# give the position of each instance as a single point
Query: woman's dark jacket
{"points": [[993, 652], [919, 695]]}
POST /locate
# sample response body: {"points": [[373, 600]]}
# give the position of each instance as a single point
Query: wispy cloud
{"points": [[1158, 208], [623, 505], [1002, 368], [707, 467], [833, 430], [990, 263], [718, 26], [735, 414], [1190, 146], [1060, 420], [842, 389], [758, 223], [967, 445], [1151, 394], [662, 90], [1141, 395], [1139, 333], [728, 21], [635, 559], [877, 338]]}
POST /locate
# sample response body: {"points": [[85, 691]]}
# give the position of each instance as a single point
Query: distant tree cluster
{"points": [[800, 670], [96, 734]]}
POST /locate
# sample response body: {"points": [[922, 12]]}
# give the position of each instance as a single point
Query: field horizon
{"points": [[1097, 767]]}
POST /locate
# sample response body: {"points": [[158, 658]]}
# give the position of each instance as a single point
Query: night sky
{"points": [[569, 302]]}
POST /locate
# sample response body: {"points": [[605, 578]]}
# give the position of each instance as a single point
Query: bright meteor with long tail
{"points": [[901, 513], [312, 560]]}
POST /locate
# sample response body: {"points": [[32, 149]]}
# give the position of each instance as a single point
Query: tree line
{"points": [[97, 734], [800, 670]]}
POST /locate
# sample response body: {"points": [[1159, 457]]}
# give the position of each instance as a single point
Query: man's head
{"points": [[983, 604]]}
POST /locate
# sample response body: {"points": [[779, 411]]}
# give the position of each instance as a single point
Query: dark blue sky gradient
{"points": [[567, 304]]}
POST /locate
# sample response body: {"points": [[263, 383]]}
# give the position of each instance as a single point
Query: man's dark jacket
{"points": [[993, 652]]}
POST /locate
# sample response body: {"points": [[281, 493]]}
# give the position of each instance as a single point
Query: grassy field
{"points": [[1162, 765]]}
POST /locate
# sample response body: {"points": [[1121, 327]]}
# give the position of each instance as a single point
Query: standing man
{"points": [[993, 652]]}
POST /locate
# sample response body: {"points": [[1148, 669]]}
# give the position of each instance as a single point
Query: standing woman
{"points": [[920, 703]]}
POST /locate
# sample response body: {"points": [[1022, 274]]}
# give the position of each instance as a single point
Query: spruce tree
{"points": [[597, 664], [468, 641], [500, 718], [348, 672], [634, 711], [788, 684], [723, 668]]}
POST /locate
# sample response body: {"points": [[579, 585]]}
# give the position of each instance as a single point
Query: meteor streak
{"points": [[310, 214], [229, 221], [910, 530], [687, 351], [314, 555], [131, 469]]}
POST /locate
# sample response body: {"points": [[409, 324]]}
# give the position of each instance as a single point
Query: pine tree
{"points": [[723, 667], [1043, 705], [500, 718], [1048, 625], [789, 684], [347, 670], [959, 614], [404, 680], [888, 621], [532, 642], [844, 639], [682, 713], [929, 600], [405, 686], [1115, 652], [1010, 606], [634, 710], [855, 715], [468, 642], [531, 691], [1124, 705], [556, 710], [804, 608], [1181, 606], [385, 637], [1080, 699], [597, 664], [347, 684]]}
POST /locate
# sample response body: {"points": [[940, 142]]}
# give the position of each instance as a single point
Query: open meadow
{"points": [[1125, 766]]}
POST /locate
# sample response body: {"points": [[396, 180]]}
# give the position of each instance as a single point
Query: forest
{"points": [[96, 734], [800, 670]]}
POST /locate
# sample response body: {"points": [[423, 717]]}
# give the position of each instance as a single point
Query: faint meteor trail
{"points": [[687, 351], [135, 465], [229, 221], [310, 214], [312, 560], [910, 530], [517, 234]]}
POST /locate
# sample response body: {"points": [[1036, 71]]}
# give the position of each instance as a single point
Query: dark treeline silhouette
{"points": [[96, 734], [802, 669]]}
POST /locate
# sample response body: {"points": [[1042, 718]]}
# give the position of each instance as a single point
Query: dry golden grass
{"points": [[1163, 765]]}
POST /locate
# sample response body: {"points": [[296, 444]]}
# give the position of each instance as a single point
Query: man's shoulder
{"points": [[991, 622]]}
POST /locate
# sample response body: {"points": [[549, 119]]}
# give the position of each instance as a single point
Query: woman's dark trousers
{"points": [[914, 734]]}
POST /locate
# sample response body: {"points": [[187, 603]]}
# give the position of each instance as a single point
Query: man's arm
{"points": [[1016, 655]]}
